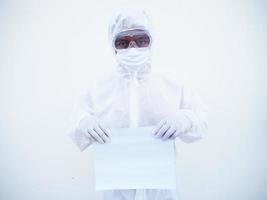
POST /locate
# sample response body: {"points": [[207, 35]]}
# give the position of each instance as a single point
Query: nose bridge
{"points": [[133, 44]]}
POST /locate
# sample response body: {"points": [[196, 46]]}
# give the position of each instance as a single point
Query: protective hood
{"points": [[132, 61]]}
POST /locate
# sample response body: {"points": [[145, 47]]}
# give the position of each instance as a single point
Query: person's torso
{"points": [[117, 104]]}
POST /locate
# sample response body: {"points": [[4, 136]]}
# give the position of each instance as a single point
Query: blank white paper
{"points": [[134, 159]]}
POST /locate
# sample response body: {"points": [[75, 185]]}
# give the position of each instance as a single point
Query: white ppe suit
{"points": [[136, 96]]}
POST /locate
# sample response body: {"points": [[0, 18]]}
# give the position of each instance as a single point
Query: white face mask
{"points": [[133, 57]]}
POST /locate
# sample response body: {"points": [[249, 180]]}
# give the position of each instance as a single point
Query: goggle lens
{"points": [[139, 40]]}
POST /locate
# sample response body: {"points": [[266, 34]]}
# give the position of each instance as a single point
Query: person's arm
{"points": [[193, 109], [189, 122], [87, 127], [83, 109]]}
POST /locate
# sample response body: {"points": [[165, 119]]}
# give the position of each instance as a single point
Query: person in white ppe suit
{"points": [[135, 96]]}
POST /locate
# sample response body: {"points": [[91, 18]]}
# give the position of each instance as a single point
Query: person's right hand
{"points": [[92, 128]]}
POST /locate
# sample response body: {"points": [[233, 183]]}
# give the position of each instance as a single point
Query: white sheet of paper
{"points": [[134, 159]]}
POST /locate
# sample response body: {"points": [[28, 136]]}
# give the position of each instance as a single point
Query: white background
{"points": [[50, 49]]}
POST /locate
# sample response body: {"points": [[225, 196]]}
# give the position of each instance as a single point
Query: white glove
{"points": [[172, 126], [93, 129]]}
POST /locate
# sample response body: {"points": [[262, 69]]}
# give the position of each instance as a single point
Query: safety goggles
{"points": [[132, 39]]}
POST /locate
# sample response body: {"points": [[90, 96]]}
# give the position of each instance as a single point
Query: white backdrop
{"points": [[51, 49]]}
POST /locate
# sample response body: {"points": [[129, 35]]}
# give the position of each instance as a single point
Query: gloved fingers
{"points": [[91, 137], [158, 126], [104, 129], [174, 135], [101, 134], [170, 131], [163, 130], [95, 136]]}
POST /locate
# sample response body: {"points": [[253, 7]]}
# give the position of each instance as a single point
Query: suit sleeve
{"points": [[82, 108], [195, 111]]}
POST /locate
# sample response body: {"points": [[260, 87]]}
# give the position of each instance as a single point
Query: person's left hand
{"points": [[172, 126]]}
